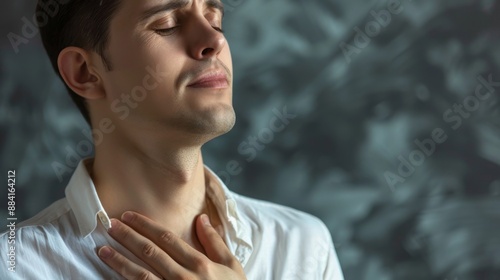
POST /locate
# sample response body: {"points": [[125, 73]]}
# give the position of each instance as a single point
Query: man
{"points": [[154, 80]]}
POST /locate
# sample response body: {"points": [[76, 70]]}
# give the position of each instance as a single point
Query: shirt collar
{"points": [[239, 238], [84, 201], [87, 208]]}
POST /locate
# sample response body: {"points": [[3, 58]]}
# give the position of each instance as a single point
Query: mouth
{"points": [[211, 80]]}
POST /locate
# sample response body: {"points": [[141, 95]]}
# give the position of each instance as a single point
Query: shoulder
{"points": [[281, 218], [40, 239], [297, 244], [49, 221]]}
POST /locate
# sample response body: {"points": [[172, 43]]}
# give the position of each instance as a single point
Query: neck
{"points": [[166, 184]]}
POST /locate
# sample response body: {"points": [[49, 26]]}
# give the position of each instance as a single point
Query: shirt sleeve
{"points": [[332, 271], [19, 260]]}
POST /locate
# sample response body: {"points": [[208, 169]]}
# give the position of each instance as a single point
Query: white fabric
{"points": [[272, 242]]}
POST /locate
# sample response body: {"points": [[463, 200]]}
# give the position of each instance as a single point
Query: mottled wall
{"points": [[392, 138]]}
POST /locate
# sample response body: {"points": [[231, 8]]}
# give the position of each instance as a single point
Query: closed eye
{"points": [[171, 30], [166, 31], [218, 29]]}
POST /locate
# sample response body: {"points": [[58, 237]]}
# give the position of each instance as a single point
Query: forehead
{"points": [[144, 9]]}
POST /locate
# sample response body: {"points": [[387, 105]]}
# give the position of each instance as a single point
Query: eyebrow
{"points": [[178, 4]]}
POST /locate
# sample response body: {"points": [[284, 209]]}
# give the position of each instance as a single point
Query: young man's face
{"points": [[174, 51]]}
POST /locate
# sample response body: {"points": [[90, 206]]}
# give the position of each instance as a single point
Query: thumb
{"points": [[212, 242]]}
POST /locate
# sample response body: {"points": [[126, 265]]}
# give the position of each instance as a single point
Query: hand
{"points": [[167, 254]]}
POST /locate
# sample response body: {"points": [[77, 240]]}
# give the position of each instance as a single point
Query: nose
{"points": [[204, 41]]}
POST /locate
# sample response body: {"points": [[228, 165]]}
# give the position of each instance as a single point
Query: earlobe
{"points": [[77, 73]]}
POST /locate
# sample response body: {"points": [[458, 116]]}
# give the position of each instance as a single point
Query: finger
{"points": [[126, 268], [213, 244], [146, 250], [175, 247]]}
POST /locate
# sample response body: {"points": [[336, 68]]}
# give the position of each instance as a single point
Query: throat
{"points": [[193, 241]]}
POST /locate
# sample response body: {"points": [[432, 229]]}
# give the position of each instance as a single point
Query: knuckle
{"points": [[233, 263], [167, 237], [149, 250], [201, 264], [230, 261], [144, 275]]}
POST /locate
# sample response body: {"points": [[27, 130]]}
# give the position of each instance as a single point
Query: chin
{"points": [[210, 122], [222, 120]]}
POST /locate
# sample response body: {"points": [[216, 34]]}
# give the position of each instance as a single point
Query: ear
{"points": [[77, 72]]}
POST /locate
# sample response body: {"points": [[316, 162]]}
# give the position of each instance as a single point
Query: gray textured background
{"points": [[357, 115]]}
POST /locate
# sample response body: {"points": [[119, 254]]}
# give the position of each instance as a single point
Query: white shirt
{"points": [[272, 242]]}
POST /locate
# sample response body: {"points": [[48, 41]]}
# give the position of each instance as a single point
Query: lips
{"points": [[213, 80]]}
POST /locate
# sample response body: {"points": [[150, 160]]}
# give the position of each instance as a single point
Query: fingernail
{"points": [[127, 216], [205, 220], [105, 252]]}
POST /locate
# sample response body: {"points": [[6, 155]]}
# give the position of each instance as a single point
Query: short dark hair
{"points": [[78, 23]]}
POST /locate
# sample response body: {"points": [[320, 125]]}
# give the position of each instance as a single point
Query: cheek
{"points": [[130, 58], [145, 62], [225, 57], [119, 83], [130, 50]]}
